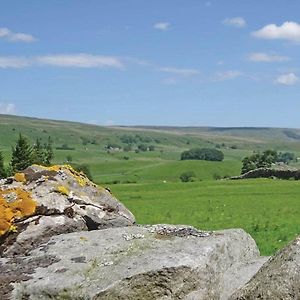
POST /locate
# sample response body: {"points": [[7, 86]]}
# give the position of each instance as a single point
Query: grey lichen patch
{"points": [[179, 231], [129, 237]]}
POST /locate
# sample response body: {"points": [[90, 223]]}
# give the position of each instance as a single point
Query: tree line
{"points": [[202, 154], [23, 155], [265, 160]]}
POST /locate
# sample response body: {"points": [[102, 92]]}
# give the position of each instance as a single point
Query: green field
{"points": [[149, 185], [267, 209]]}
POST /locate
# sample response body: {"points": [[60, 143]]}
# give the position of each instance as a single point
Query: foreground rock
{"points": [[151, 262], [42, 202], [279, 278]]}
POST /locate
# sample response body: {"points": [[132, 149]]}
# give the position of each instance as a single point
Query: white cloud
{"points": [[4, 32], [7, 108], [81, 60], [180, 72], [7, 34], [163, 26], [287, 79], [264, 57], [13, 62], [287, 31], [238, 22], [227, 75]]}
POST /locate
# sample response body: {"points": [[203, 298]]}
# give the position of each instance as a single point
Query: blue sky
{"points": [[158, 62]]}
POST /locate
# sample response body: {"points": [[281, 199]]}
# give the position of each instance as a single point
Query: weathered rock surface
{"points": [[61, 200], [149, 262], [279, 278]]}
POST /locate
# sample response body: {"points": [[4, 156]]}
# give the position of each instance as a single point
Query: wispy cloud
{"points": [[14, 62], [238, 22], [287, 31], [163, 26], [287, 79], [81, 60], [7, 108], [264, 57], [179, 72], [11, 36], [227, 75]]}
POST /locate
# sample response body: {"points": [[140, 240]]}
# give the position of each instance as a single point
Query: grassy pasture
{"points": [[267, 209]]}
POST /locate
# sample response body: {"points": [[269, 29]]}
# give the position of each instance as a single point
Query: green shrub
{"points": [[188, 176]]}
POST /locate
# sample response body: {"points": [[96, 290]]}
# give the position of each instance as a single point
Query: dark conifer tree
{"points": [[21, 155], [38, 153], [2, 168], [48, 151]]}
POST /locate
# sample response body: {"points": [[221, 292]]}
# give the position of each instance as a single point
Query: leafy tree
{"points": [[203, 154], [286, 157], [268, 157], [257, 160], [2, 168], [142, 147], [84, 140], [151, 148], [250, 163], [21, 155], [188, 176]]}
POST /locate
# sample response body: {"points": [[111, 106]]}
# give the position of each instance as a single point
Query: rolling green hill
{"points": [[90, 142]]}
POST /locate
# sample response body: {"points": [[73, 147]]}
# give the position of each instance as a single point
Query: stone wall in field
{"points": [[271, 173]]}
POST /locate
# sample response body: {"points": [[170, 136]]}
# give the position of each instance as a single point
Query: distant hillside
{"points": [[74, 133]]}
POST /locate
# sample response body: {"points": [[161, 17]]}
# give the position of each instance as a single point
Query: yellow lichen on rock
{"points": [[51, 168], [62, 190], [20, 177], [21, 206], [80, 177]]}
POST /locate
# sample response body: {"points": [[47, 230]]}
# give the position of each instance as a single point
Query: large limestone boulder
{"points": [[41, 202], [136, 262], [278, 279]]}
